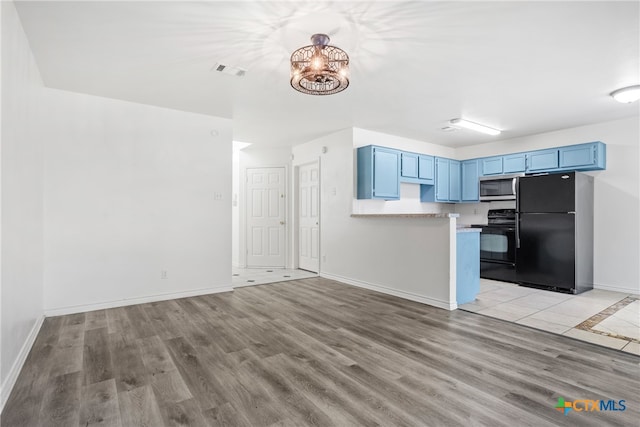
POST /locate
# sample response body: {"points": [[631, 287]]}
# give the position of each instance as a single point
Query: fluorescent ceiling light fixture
{"points": [[627, 95], [474, 126]]}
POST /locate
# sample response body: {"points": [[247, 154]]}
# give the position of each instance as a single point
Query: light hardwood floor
{"points": [[310, 352]]}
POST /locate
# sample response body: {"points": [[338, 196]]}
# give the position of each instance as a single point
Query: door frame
{"points": [[243, 211], [295, 223]]}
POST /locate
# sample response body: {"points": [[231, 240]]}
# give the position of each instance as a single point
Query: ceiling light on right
{"points": [[474, 126], [627, 95]]}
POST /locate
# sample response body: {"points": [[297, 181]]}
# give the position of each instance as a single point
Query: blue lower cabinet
{"points": [[378, 173], [470, 175], [467, 266]]}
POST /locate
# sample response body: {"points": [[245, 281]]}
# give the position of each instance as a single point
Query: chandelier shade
{"points": [[319, 69]]}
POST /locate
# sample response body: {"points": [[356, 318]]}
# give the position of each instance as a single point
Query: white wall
{"points": [[21, 190], [405, 257], [255, 157], [616, 194], [129, 192]]}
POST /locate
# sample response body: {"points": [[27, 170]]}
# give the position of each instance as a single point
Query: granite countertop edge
{"points": [[468, 230], [413, 215]]}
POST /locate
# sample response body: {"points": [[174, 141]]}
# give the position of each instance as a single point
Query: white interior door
{"points": [[309, 217], [266, 217]]}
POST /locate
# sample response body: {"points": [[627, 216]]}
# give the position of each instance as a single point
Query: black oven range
{"points": [[498, 245]]}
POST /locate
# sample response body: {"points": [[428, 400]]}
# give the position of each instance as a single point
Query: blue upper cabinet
{"points": [[409, 165], [514, 163], [416, 168], [542, 160], [381, 170], [470, 176], [442, 180], [591, 156], [454, 181], [378, 173], [491, 165], [447, 186], [426, 169]]}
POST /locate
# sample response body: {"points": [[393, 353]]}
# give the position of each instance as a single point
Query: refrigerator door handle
{"points": [[517, 230]]}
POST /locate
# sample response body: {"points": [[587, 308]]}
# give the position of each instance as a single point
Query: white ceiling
{"points": [[524, 67]]}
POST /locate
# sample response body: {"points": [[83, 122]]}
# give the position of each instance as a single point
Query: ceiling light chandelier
{"points": [[319, 69]]}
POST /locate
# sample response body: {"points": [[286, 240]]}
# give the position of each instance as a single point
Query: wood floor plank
{"points": [[61, 401], [201, 383], [99, 405], [296, 406], [128, 368], [248, 395], [95, 319], [169, 387], [310, 352], [97, 366], [155, 356], [186, 413], [228, 416], [140, 323], [138, 407]]}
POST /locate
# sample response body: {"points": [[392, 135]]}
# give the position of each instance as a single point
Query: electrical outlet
{"points": [[163, 274], [217, 196]]}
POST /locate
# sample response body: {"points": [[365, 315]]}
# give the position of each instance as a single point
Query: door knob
{"points": [[281, 222]]}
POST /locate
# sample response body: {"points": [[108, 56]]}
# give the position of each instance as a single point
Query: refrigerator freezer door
{"points": [[546, 256], [547, 193]]}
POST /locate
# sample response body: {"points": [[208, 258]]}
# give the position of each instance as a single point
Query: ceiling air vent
{"points": [[449, 129], [227, 69]]}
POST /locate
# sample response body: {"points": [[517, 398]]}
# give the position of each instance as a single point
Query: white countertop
{"points": [[414, 215]]}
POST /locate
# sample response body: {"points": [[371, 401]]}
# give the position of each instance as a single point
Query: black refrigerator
{"points": [[554, 232]]}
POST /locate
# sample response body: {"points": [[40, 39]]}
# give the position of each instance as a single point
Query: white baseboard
{"points": [[395, 292], [133, 301], [10, 381], [617, 289]]}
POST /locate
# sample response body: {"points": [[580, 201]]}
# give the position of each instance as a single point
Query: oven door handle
{"points": [[517, 230]]}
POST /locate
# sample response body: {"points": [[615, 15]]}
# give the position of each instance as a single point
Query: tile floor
{"points": [[611, 319], [260, 276]]}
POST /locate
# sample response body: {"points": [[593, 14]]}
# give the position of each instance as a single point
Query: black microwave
{"points": [[499, 187]]}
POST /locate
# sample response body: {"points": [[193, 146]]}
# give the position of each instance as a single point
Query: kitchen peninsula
{"points": [[423, 257]]}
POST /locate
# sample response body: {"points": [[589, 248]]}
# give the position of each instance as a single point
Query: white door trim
{"points": [[296, 213]]}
